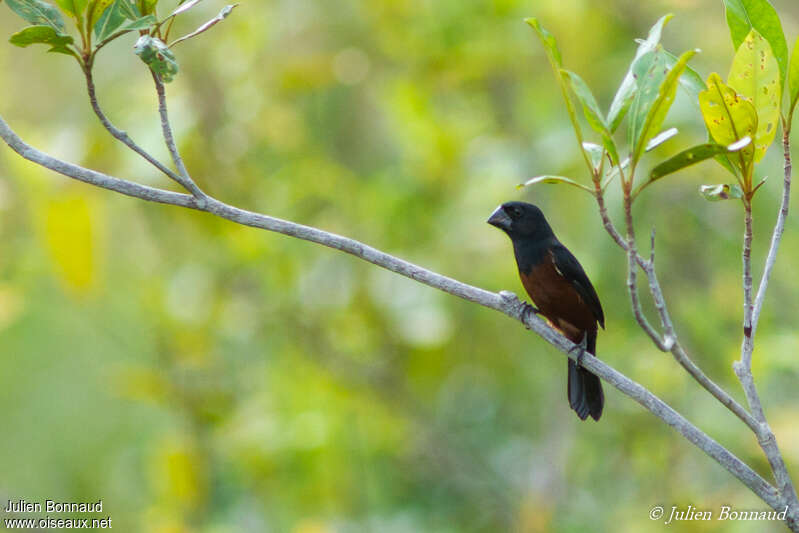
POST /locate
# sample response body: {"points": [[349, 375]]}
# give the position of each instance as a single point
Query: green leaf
{"points": [[745, 15], [43, 35], [141, 24], [729, 118], [723, 159], [554, 180], [111, 20], [590, 107], [655, 94], [596, 153], [39, 13], [691, 156], [157, 56], [610, 146], [793, 76], [593, 115], [549, 42], [755, 75], [73, 7], [723, 191], [649, 71], [624, 95], [690, 80], [129, 9], [555, 61]]}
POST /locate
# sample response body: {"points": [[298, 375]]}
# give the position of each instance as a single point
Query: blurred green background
{"points": [[202, 376]]}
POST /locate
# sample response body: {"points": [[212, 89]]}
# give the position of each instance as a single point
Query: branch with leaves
{"points": [[741, 117]]}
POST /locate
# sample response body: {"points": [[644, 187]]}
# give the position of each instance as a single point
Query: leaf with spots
{"points": [[745, 15], [756, 75], [96, 10], [729, 117]]}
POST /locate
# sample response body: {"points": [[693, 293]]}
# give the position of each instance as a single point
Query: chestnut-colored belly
{"points": [[558, 301]]}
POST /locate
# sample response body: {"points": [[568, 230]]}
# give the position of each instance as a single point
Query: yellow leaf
{"points": [[729, 118], [756, 75]]}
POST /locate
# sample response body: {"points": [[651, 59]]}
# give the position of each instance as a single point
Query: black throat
{"points": [[531, 252]]}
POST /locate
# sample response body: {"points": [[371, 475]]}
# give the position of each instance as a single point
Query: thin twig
{"points": [[506, 303], [669, 342], [109, 39], [632, 279], [776, 237], [166, 127], [669, 336], [608, 223], [118, 134]]}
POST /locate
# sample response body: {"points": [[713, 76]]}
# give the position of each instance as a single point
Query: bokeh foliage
{"points": [[200, 376]]}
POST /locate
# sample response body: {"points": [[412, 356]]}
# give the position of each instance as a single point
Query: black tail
{"points": [[585, 389]]}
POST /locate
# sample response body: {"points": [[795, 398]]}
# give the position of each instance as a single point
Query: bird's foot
{"points": [[528, 310], [581, 349]]}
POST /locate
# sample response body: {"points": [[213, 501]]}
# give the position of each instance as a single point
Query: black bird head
{"points": [[521, 220]]}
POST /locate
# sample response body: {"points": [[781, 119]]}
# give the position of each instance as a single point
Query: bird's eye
{"points": [[515, 212]]}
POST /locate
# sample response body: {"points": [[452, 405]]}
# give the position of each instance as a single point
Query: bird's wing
{"points": [[570, 268]]}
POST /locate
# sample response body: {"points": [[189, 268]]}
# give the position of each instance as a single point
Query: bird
{"points": [[560, 291]]}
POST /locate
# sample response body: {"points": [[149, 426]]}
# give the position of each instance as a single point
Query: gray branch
{"points": [[118, 134], [776, 237], [504, 302], [743, 368], [669, 341], [184, 179]]}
